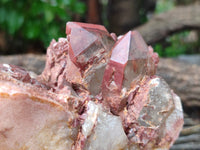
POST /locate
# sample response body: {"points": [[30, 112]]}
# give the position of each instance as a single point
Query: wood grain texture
{"points": [[162, 25]]}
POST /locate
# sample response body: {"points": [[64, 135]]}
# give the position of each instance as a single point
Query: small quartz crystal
{"points": [[97, 92]]}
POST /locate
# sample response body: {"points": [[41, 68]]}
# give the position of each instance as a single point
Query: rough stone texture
{"points": [[176, 72], [100, 93], [150, 116]]}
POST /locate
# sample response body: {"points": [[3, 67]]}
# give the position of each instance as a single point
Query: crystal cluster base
{"points": [[97, 92]]}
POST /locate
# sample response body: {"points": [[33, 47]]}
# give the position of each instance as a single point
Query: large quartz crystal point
{"points": [[88, 43], [89, 49], [131, 59]]}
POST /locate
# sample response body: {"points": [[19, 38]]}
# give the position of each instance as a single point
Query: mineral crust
{"points": [[97, 92]]}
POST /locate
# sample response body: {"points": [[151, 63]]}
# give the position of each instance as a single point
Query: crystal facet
{"points": [[97, 92], [129, 62], [88, 43]]}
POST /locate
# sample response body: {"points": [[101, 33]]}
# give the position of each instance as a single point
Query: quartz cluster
{"points": [[97, 92]]}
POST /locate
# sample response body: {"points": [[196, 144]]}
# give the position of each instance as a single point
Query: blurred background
{"points": [[172, 27], [28, 26]]}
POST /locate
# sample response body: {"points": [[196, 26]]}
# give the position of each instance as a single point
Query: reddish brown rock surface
{"points": [[96, 92]]}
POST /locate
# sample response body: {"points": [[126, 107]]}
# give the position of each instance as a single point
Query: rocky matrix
{"points": [[97, 92]]}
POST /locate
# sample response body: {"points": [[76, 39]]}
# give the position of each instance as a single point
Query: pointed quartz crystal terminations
{"points": [[93, 86], [88, 43], [131, 59], [89, 51]]}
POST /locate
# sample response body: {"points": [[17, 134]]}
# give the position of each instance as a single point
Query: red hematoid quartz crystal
{"points": [[97, 92]]}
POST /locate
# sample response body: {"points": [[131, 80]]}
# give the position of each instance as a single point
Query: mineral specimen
{"points": [[97, 92]]}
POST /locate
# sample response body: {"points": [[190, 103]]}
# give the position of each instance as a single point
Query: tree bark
{"points": [[162, 25], [93, 14], [123, 15]]}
